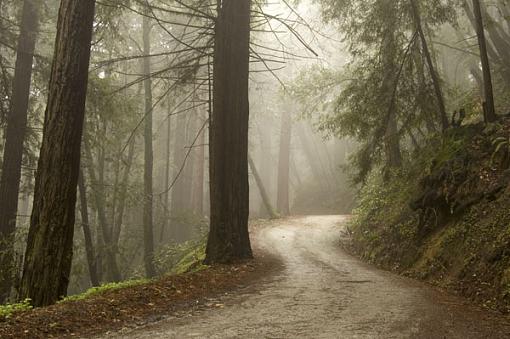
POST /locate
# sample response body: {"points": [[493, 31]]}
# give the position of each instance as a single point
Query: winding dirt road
{"points": [[323, 292]]}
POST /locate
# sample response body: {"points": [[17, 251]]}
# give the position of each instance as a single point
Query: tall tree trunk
{"points": [[198, 181], [50, 240], [282, 201], [100, 203], [229, 185], [178, 204], [119, 219], [489, 109], [148, 227], [181, 192], [263, 193], [15, 136], [430, 63], [166, 198], [87, 235]]}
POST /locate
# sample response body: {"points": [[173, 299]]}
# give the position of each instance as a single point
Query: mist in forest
{"points": [[147, 139], [151, 115]]}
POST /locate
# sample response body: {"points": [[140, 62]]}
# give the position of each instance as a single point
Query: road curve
{"points": [[324, 293]]}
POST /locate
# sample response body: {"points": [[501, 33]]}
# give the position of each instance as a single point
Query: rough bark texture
{"points": [[14, 138], [148, 230], [282, 201], [50, 240], [229, 238], [87, 235], [490, 112]]}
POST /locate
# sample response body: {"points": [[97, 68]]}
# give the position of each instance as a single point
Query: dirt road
{"points": [[324, 293]]}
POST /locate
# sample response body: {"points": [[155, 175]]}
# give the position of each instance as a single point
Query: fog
{"points": [[123, 163]]}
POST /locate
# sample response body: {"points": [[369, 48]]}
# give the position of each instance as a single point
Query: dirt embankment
{"points": [[449, 221]]}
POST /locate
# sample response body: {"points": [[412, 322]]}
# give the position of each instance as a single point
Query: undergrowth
{"points": [[444, 216]]}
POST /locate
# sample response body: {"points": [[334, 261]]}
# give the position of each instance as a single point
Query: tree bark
{"points": [[87, 235], [282, 201], [229, 185], [14, 138], [490, 111], [50, 240], [148, 227]]}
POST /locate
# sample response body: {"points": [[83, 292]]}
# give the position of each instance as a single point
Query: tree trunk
{"points": [[50, 240], [229, 184], [119, 219], [166, 198], [263, 193], [282, 201], [182, 190], [178, 204], [100, 203], [198, 181], [489, 109], [433, 73], [87, 235], [14, 138], [148, 227]]}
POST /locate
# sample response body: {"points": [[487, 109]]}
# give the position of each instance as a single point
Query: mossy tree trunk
{"points": [[49, 250], [229, 187]]}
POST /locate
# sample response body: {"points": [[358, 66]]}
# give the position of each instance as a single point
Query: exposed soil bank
{"points": [[445, 217]]}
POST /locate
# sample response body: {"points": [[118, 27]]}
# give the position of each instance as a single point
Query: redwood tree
{"points": [[15, 136], [229, 238], [50, 240]]}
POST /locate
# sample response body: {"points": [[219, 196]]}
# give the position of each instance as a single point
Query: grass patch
{"points": [[104, 288], [9, 309]]}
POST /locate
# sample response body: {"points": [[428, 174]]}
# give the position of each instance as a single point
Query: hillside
{"points": [[445, 218]]}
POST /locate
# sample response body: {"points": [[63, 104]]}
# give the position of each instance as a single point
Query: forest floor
{"points": [[323, 292], [132, 307]]}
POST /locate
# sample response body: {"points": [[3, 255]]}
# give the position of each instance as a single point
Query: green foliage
{"points": [[9, 309], [181, 258], [501, 149], [192, 261], [105, 288]]}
